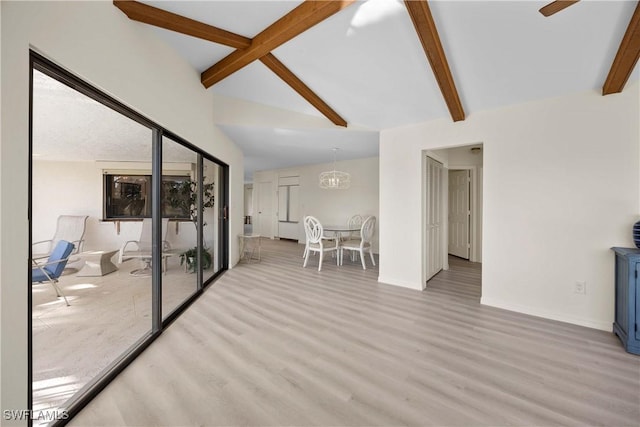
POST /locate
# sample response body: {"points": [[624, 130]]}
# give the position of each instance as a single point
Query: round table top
{"points": [[342, 227]]}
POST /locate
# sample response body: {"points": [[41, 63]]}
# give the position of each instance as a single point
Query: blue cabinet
{"points": [[627, 298]]}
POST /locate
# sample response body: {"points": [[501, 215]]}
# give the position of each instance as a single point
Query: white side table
{"points": [[97, 263], [250, 247]]}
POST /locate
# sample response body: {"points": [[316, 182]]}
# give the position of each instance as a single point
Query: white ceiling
{"points": [[296, 147], [367, 63]]}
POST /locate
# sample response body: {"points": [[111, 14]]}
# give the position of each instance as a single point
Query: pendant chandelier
{"points": [[334, 179]]}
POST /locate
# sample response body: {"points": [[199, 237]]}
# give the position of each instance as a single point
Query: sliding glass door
{"points": [[102, 309], [141, 212], [214, 216], [180, 179]]}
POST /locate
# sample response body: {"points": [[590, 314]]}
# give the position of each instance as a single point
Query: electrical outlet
{"points": [[580, 287]]}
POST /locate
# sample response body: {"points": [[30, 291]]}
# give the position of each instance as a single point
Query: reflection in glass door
{"points": [[90, 187], [213, 218], [180, 223], [142, 228]]}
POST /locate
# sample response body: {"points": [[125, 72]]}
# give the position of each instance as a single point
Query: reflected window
{"points": [[129, 197]]}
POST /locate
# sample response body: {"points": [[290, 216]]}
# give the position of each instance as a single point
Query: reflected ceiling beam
{"points": [[300, 19], [428, 35], [296, 84], [626, 58], [170, 21], [556, 6]]}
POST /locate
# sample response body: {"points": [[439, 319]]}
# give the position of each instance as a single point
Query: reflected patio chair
{"points": [[143, 244], [69, 228], [316, 241], [51, 270], [362, 244]]}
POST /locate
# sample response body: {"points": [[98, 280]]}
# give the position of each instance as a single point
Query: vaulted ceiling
{"points": [[378, 64]]}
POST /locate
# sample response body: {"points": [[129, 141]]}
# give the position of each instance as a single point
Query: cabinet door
{"points": [[283, 203], [624, 273], [294, 203], [635, 295]]}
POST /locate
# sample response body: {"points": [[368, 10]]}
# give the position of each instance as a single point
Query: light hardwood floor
{"points": [[273, 344], [108, 314]]}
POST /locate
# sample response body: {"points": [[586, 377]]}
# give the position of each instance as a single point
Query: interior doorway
{"points": [[464, 213], [459, 213], [455, 198]]}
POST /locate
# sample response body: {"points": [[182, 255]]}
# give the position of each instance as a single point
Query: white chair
{"points": [[143, 244], [354, 221], [326, 237], [363, 244], [316, 241], [69, 228]]}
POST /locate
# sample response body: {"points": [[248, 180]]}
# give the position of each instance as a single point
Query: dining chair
{"points": [[354, 221], [362, 244], [317, 241]]}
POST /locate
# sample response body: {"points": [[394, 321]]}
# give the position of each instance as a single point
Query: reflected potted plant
{"points": [[184, 196], [189, 257]]}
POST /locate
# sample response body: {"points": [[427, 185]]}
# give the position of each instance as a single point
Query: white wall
{"points": [[561, 186], [97, 42], [234, 111], [79, 192], [248, 199], [462, 156], [2, 370], [330, 206]]}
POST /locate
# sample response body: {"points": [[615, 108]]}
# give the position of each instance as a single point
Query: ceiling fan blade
{"points": [[556, 6]]}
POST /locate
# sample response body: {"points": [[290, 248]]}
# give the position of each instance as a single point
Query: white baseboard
{"points": [[401, 283], [589, 323]]}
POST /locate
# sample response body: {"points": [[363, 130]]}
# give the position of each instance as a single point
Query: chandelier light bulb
{"points": [[335, 179]]}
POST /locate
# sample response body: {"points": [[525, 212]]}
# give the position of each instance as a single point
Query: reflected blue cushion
{"points": [[60, 253]]}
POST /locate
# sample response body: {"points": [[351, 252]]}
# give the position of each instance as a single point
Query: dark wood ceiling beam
{"points": [[626, 58], [170, 21], [298, 85], [556, 6], [300, 19], [428, 35], [161, 18]]}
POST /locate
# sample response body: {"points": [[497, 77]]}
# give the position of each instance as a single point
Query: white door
{"points": [[288, 212], [435, 258], [459, 213], [265, 210]]}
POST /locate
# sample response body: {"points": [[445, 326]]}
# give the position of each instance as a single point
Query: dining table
{"points": [[338, 230]]}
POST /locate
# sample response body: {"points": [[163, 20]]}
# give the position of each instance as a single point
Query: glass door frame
{"points": [[97, 384]]}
